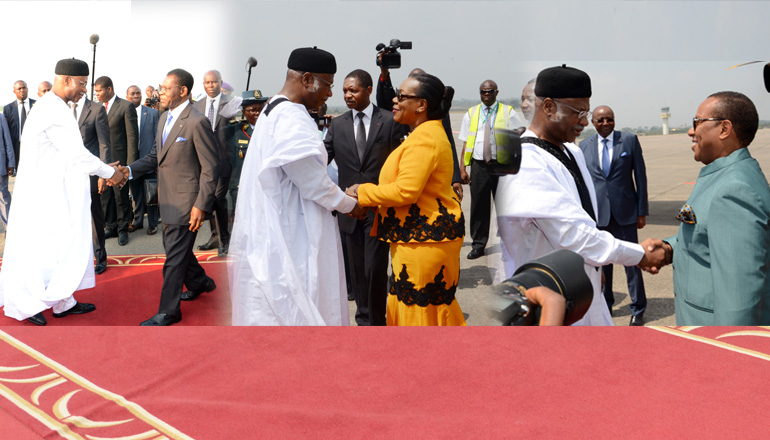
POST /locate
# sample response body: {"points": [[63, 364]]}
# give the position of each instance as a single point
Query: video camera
{"points": [[390, 57], [561, 271]]}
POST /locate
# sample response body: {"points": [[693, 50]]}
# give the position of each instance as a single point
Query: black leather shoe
{"points": [[213, 243], [38, 319], [161, 319], [110, 233], [100, 268], [123, 238], [637, 320], [77, 309], [152, 230], [475, 253], [132, 228], [351, 297], [223, 251], [189, 296]]}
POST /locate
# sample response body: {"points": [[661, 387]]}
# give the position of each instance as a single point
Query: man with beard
{"points": [[287, 267], [550, 204], [53, 181]]}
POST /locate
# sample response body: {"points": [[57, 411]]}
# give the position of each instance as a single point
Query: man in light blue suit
{"points": [[721, 255], [147, 118], [615, 161]]}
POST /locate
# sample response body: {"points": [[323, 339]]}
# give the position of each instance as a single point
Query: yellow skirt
{"points": [[423, 284]]}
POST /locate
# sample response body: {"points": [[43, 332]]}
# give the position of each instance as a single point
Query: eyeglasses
{"points": [[401, 97], [696, 121], [487, 92], [331, 85], [604, 120], [581, 113]]}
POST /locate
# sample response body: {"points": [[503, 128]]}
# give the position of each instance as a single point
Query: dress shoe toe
{"points": [[123, 238], [637, 320], [100, 268], [161, 320], [189, 295], [38, 319], [223, 251], [152, 230], [110, 233], [132, 228], [213, 243], [77, 309], [475, 253]]}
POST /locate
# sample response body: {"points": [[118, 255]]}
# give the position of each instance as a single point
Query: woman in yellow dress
{"points": [[418, 212]]}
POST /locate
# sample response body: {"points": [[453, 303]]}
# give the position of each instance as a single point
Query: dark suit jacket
{"points": [[384, 136], [7, 156], [11, 113], [617, 192], [148, 128], [124, 134], [95, 131], [220, 133], [187, 166]]}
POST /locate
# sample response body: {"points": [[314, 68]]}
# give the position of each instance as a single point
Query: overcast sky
{"points": [[641, 55]]}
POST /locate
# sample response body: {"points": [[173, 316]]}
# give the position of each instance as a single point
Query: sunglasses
{"points": [[401, 96], [696, 121], [487, 92]]}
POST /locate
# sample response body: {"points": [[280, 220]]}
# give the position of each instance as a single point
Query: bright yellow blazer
{"points": [[415, 199]]}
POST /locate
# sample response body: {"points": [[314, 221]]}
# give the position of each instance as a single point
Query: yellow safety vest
{"points": [[501, 122]]}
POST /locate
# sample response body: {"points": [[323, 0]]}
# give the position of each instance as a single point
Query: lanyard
{"points": [[492, 111]]}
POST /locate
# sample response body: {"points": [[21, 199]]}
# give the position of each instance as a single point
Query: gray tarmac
{"points": [[671, 174]]}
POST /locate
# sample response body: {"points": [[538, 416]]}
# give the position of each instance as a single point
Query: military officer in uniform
{"points": [[252, 105]]}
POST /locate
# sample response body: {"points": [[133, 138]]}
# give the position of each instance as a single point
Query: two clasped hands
{"points": [[657, 253], [119, 177], [359, 212]]}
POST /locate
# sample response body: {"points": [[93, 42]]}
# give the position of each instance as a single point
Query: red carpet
{"points": [[129, 292], [443, 383]]}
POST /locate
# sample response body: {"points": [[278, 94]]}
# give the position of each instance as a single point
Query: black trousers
{"points": [[483, 189], [368, 258], [137, 193], [180, 269], [117, 208], [97, 222], [633, 273], [220, 223]]}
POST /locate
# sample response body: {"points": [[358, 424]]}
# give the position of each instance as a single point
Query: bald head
{"points": [[43, 88], [603, 120], [212, 83], [416, 71], [488, 91]]}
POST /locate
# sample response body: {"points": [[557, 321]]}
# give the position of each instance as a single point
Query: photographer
{"points": [[385, 94]]}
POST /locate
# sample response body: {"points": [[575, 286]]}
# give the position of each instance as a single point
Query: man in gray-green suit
{"points": [[721, 255]]}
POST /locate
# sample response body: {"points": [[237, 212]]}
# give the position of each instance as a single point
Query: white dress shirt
{"points": [[600, 147]]}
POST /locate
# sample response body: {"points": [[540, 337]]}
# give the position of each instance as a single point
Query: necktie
{"points": [[105, 106], [23, 117], [487, 143], [605, 158], [361, 137], [168, 127], [74, 106], [211, 113]]}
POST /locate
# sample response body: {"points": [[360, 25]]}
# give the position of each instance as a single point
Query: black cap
{"points": [[71, 67], [252, 97], [563, 82], [312, 59]]}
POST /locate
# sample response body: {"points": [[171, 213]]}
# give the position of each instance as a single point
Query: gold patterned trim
{"points": [[686, 332], [136, 424]]}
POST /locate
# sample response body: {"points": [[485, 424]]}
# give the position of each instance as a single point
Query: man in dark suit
{"points": [[7, 163], [124, 141], [219, 108], [185, 155], [147, 120], [360, 141], [15, 114], [615, 162], [95, 131]]}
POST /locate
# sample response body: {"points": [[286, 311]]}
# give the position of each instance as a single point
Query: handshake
{"points": [[657, 254], [119, 177], [358, 212]]}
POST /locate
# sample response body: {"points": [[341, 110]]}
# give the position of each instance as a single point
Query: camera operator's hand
{"points": [[657, 253], [554, 305], [383, 70]]}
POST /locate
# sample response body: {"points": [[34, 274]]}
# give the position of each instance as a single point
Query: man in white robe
{"points": [[44, 266], [287, 266], [546, 206]]}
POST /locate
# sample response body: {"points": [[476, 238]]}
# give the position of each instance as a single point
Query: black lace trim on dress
{"points": [[435, 293], [417, 228]]}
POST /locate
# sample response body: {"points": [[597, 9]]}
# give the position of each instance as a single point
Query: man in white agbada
{"points": [[44, 266], [550, 203], [287, 266]]}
